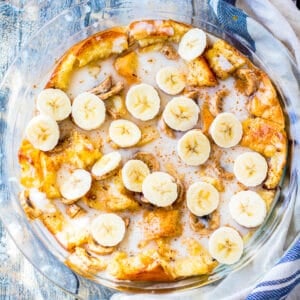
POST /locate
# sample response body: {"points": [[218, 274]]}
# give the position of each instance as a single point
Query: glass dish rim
{"points": [[123, 8]]}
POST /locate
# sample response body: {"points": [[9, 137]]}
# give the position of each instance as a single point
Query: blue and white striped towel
{"points": [[281, 279]]}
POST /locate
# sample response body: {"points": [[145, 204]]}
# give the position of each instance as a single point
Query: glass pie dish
{"points": [[21, 85]]}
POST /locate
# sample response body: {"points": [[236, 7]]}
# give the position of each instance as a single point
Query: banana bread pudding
{"points": [[154, 152]]}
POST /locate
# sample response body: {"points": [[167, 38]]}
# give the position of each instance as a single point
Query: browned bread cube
{"points": [[161, 223], [98, 46], [148, 32], [269, 139], [265, 103], [145, 266], [224, 59], [200, 74]]}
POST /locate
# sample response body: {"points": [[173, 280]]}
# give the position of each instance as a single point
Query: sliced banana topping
{"points": [[76, 184], [143, 101], [226, 245], [202, 198], [88, 111], [42, 132], [247, 208], [250, 168], [160, 189], [181, 113], [192, 44], [170, 80], [226, 130], [134, 173], [193, 148], [54, 103], [124, 133], [108, 229], [106, 164]]}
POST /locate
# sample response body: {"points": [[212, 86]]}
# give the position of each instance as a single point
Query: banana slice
{"points": [[54, 103], [133, 174], [193, 148], [226, 245], [108, 229], [143, 101], [76, 184], [124, 133], [192, 44], [248, 209], [170, 80], [226, 130], [42, 132], [250, 168], [88, 111], [106, 164], [181, 113], [202, 198], [160, 189]]}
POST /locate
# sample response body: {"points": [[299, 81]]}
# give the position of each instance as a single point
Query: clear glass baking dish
{"points": [[30, 70]]}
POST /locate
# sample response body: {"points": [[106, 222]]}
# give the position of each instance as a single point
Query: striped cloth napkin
{"points": [[281, 279]]}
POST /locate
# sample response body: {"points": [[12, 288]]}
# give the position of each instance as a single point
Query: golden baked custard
{"points": [[154, 152]]}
